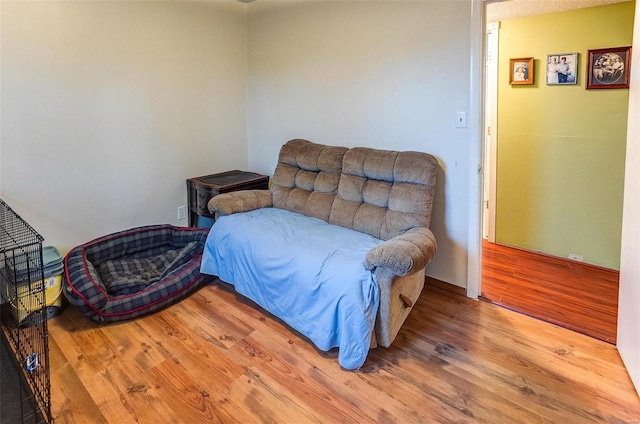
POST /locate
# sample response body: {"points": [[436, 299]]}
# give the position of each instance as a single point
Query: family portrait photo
{"points": [[609, 68], [521, 71], [562, 68]]}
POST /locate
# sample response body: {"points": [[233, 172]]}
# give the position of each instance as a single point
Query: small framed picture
{"points": [[562, 68], [609, 68], [521, 71]]}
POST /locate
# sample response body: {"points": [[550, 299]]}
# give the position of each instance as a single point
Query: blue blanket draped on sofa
{"points": [[314, 280]]}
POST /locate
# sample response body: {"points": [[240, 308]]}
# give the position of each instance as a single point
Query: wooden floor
{"points": [[572, 294], [215, 358]]}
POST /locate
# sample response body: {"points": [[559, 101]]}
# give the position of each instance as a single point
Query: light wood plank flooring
{"points": [[215, 358], [572, 294]]}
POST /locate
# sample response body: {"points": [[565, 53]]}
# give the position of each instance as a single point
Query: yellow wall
{"points": [[561, 149]]}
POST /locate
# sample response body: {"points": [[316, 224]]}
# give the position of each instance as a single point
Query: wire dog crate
{"points": [[23, 314]]}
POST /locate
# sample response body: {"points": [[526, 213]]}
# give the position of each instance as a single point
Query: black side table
{"points": [[201, 189]]}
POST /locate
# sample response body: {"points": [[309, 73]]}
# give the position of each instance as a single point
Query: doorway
{"points": [[506, 280]]}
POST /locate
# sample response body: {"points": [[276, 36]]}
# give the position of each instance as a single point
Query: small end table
{"points": [[201, 189]]}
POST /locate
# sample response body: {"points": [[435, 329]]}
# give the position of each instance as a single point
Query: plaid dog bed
{"points": [[131, 273]]}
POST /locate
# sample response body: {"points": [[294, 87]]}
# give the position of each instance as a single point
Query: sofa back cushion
{"points": [[306, 178], [384, 193]]}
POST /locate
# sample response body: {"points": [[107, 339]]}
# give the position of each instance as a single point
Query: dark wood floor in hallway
{"points": [[571, 294]]}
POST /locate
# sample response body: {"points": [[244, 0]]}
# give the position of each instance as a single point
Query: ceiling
{"points": [[500, 10]]}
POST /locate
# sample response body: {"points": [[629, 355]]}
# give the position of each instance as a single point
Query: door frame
{"points": [[490, 131], [476, 129]]}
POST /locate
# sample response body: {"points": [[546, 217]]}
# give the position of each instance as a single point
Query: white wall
{"points": [[107, 107], [379, 74], [629, 295]]}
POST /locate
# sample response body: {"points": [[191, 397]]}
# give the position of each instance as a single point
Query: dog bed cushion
{"points": [[134, 272]]}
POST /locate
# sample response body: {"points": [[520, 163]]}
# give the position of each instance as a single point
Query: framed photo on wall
{"points": [[609, 68], [521, 71], [562, 68]]}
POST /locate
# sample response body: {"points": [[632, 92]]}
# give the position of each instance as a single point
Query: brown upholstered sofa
{"points": [[386, 194]]}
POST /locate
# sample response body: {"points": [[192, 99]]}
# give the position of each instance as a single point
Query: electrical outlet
{"points": [[182, 212], [575, 257]]}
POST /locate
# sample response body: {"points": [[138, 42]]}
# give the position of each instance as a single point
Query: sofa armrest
{"points": [[239, 201], [404, 254]]}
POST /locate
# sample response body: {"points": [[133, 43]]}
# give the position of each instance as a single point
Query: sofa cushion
{"points": [[306, 178], [379, 192], [309, 273], [384, 193]]}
